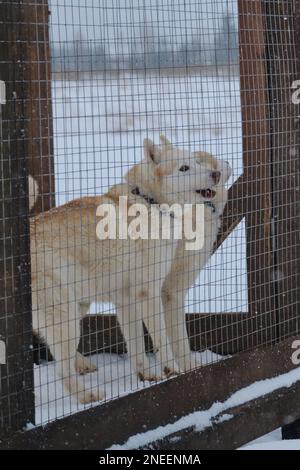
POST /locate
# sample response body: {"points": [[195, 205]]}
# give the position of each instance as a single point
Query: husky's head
{"points": [[171, 175]]}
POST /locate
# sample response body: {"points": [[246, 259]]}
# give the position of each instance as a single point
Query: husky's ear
{"points": [[164, 140], [151, 151]]}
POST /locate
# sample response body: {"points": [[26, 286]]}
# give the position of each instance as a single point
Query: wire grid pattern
{"points": [[123, 71], [118, 77]]}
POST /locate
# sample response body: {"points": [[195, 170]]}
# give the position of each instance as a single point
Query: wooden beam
{"points": [[257, 172], [26, 148], [246, 423], [234, 211], [38, 102], [16, 375], [197, 390], [283, 69], [222, 333]]}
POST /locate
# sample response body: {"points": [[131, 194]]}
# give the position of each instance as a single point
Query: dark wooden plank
{"points": [[220, 332], [157, 405], [248, 422], [283, 69], [257, 173], [38, 102], [16, 387], [27, 148], [234, 211]]}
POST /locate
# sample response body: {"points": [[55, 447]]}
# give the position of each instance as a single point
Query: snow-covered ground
{"points": [[273, 441], [114, 376], [290, 444]]}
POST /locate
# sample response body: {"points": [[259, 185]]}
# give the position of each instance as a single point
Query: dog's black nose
{"points": [[216, 176]]}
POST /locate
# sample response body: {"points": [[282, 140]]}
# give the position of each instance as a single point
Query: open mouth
{"points": [[206, 193]]}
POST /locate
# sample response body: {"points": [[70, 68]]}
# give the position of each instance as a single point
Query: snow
{"points": [[203, 419], [290, 444], [272, 441], [114, 375]]}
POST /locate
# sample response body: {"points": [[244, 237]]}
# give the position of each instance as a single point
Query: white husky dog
{"points": [[72, 267]]}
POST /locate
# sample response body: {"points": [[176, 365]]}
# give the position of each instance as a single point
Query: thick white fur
{"points": [[71, 268]]}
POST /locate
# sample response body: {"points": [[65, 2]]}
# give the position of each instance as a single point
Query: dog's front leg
{"points": [[153, 317], [84, 365], [130, 319], [62, 336], [173, 302], [182, 275]]}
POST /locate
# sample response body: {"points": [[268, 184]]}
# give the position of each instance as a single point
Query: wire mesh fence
{"points": [[154, 103]]}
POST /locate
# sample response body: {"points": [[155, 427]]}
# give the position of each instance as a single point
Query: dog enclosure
{"points": [[83, 83]]}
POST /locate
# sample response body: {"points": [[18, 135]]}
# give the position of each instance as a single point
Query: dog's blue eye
{"points": [[184, 168]]}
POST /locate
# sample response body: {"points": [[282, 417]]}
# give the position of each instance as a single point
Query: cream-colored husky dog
{"points": [[72, 267]]}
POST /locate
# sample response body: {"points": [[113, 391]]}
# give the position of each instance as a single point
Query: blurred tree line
{"points": [[219, 47]]}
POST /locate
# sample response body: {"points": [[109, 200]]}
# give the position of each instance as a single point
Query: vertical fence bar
{"points": [[15, 325], [281, 34], [26, 148], [38, 102], [271, 165], [257, 172]]}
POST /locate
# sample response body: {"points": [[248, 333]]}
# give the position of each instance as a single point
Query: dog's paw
{"points": [[171, 371], [90, 396], [165, 371], [84, 365], [149, 376]]}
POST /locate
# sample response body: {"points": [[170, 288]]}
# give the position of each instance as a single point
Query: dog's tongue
{"points": [[208, 193]]}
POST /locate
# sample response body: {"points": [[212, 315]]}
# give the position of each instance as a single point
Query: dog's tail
{"points": [[33, 191]]}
